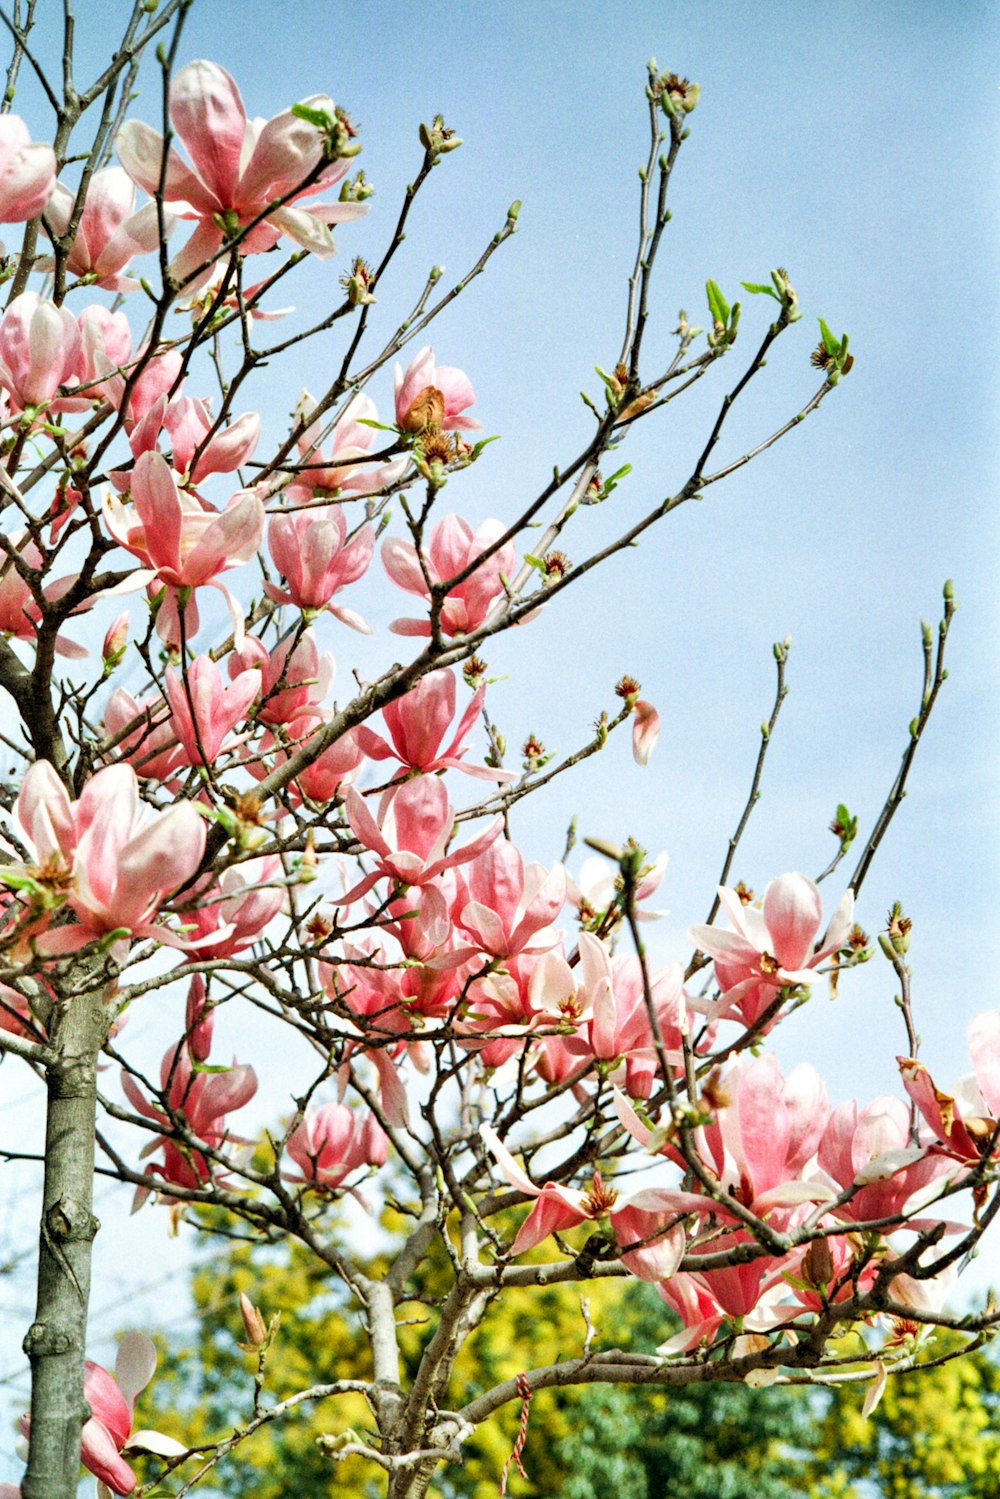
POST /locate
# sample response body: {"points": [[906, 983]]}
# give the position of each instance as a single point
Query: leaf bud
{"points": [[437, 139]]}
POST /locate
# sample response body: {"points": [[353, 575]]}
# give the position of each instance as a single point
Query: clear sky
{"points": [[853, 144]]}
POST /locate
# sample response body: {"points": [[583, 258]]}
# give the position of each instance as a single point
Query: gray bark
{"points": [[55, 1341]]}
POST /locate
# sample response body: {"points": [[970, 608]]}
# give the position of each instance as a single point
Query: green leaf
{"points": [[613, 384], [759, 290], [19, 880], [534, 561], [717, 304], [611, 484], [317, 117], [366, 421], [830, 344], [211, 1067]]}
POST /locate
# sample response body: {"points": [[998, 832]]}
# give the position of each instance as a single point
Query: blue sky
{"points": [[853, 144]]}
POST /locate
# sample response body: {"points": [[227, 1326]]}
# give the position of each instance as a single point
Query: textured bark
{"points": [[56, 1339]]}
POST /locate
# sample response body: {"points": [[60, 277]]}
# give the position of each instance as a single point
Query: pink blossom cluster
{"points": [[233, 781]]}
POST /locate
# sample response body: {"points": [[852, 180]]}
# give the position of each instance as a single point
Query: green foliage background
{"points": [[934, 1436]]}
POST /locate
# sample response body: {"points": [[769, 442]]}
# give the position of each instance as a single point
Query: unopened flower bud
{"points": [[253, 1322], [199, 1020], [115, 642], [817, 1264]]}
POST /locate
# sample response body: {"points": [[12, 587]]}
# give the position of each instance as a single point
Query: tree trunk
{"points": [[55, 1341]]}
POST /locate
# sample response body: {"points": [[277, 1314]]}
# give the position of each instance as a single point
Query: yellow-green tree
{"points": [[934, 1435]]}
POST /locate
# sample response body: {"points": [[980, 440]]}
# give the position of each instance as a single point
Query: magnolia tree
{"points": [[493, 1054]]}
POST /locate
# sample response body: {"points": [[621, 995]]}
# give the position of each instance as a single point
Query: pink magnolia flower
{"points": [[418, 723], [505, 908], [27, 172], [39, 351], [203, 1101], [183, 543], [963, 1124], [619, 1032], [240, 167], [189, 422], [15, 1012], [203, 710], [420, 918], [759, 1144], [600, 883], [105, 351], [108, 1432], [411, 837], [144, 735], [236, 908], [350, 445], [364, 992], [295, 676], [739, 1289], [698, 1309], [207, 291], [310, 550], [333, 1140], [113, 860], [451, 548], [500, 1019], [872, 1150], [323, 777], [430, 395], [645, 731], [110, 231], [155, 380], [428, 984], [20, 613], [773, 947], [705, 1299], [654, 1214], [562, 997]]}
